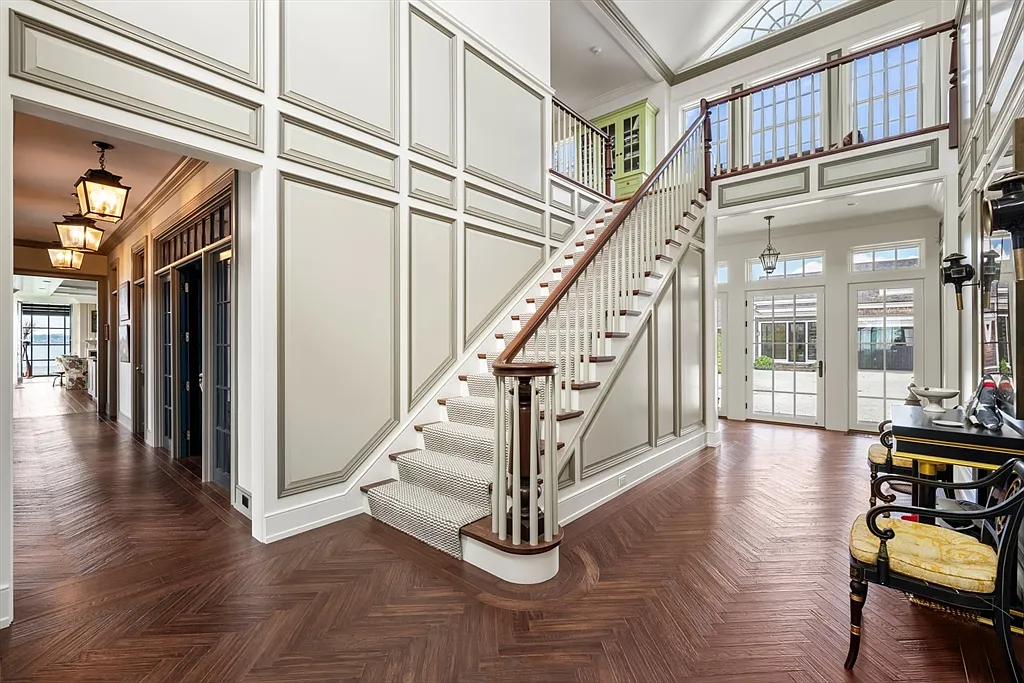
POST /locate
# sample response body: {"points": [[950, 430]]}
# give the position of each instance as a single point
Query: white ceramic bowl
{"points": [[934, 397]]}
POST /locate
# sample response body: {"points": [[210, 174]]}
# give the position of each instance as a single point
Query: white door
{"points": [[785, 355], [721, 314], [886, 328]]}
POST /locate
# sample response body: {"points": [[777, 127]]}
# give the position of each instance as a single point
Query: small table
{"points": [[927, 444]]}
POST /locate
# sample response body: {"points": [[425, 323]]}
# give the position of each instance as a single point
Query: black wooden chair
{"points": [[969, 576], [882, 460]]}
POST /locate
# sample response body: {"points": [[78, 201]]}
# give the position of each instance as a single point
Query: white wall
{"points": [[521, 29], [835, 240], [225, 97]]}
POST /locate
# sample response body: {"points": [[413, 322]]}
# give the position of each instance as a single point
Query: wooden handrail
{"points": [[833, 63], [537, 319], [562, 105]]}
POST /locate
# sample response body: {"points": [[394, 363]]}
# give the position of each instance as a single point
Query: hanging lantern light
{"points": [[101, 195], [65, 259], [79, 233], [770, 255]]}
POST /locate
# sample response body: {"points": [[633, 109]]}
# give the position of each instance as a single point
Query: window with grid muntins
{"points": [[887, 257], [800, 265], [887, 92], [719, 117], [786, 119]]}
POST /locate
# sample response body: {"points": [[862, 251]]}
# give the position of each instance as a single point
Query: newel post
{"points": [[954, 91], [609, 164], [706, 114]]}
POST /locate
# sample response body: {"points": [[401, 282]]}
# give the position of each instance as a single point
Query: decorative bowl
{"points": [[934, 397]]}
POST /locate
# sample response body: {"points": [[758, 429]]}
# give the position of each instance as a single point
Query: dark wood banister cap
{"points": [[506, 358], [833, 63], [532, 369]]}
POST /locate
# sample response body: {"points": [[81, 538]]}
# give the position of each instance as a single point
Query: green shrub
{"points": [[764, 363], [719, 344], [1004, 367]]}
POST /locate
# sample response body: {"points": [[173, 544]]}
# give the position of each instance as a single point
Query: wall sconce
{"points": [[65, 259], [100, 193], [1008, 214], [79, 233], [991, 269], [958, 274]]}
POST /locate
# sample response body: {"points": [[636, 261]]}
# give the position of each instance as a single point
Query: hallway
{"points": [[732, 567]]}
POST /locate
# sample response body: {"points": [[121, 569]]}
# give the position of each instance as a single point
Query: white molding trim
{"points": [[6, 605], [593, 495], [607, 97], [520, 569]]}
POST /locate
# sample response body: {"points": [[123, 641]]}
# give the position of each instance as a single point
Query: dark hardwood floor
{"points": [[730, 567]]}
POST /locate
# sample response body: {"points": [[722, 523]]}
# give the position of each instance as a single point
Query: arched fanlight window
{"points": [[773, 15]]}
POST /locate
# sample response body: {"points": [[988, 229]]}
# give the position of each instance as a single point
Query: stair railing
{"points": [[580, 152], [557, 345]]}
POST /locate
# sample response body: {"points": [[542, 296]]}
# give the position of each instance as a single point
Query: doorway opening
{"points": [[138, 340], [190, 364]]}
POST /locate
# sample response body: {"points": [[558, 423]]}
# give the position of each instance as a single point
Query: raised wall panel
{"points": [[339, 362], [665, 364], [199, 39], [484, 204], [432, 307], [497, 266], [49, 56], [567, 477], [560, 228], [504, 127], [329, 151], [690, 285], [562, 197], [775, 186], [432, 87], [887, 163], [585, 206], [356, 44], [621, 426], [431, 186]]}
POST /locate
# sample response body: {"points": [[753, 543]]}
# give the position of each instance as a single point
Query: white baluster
{"points": [[534, 438], [517, 501], [501, 468]]}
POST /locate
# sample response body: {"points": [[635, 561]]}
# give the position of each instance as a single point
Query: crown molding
{"points": [[615, 15], [169, 185], [776, 38]]}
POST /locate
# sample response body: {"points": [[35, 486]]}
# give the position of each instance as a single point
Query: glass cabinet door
{"points": [[631, 144]]}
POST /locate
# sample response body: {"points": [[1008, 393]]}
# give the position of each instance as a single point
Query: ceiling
{"points": [[578, 75], [54, 290], [925, 198], [662, 24], [49, 157]]}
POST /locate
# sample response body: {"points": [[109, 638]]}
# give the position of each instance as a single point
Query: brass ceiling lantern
{"points": [[101, 196], [770, 255], [65, 259], [79, 233]]}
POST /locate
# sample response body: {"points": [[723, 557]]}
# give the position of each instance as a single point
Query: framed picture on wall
{"points": [[123, 310], [95, 322], [123, 348]]}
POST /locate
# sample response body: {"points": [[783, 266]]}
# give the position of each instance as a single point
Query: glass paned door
{"points": [[785, 369], [886, 325], [631, 144]]}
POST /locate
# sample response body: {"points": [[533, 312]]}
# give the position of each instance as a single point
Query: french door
{"points": [[886, 326], [785, 355]]}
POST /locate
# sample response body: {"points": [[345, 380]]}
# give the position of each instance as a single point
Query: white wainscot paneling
{"points": [[329, 151], [775, 186], [431, 186], [431, 88], [340, 59], [339, 389], [621, 425], [496, 267], [432, 307], [665, 325], [504, 120], [196, 35], [888, 163], [562, 197], [560, 227], [54, 58], [484, 204], [691, 341], [585, 206]]}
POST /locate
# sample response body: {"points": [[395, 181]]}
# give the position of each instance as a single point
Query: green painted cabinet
{"points": [[632, 131]]}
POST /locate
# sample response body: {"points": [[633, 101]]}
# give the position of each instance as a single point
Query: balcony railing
{"points": [[884, 92], [581, 152]]}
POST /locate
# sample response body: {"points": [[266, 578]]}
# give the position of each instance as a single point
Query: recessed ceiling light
{"points": [[596, 49], [851, 203]]}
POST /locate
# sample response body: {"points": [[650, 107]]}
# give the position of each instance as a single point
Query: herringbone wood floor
{"points": [[730, 567]]}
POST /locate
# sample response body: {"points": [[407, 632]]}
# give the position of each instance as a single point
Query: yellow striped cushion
{"points": [[877, 453]]}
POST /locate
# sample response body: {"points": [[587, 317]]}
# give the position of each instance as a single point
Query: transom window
{"points": [[773, 15], [886, 92], [722, 275], [887, 257], [797, 265]]}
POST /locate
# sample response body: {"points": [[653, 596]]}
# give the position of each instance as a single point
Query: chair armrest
{"points": [[876, 486], [1001, 510]]}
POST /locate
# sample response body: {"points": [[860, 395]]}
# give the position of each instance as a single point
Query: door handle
{"points": [[821, 368]]}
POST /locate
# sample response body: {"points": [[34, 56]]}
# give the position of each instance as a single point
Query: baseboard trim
{"points": [[579, 503], [6, 606], [124, 420]]}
